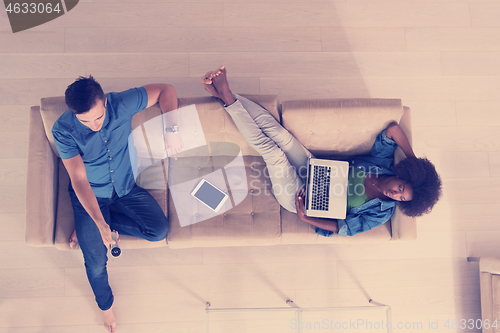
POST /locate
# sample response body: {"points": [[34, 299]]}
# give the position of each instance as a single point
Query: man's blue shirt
{"points": [[105, 153], [374, 212]]}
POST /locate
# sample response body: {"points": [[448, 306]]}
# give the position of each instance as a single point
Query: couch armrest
{"points": [[41, 185], [403, 227]]}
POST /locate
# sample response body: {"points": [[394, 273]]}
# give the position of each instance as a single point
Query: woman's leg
{"points": [[296, 153], [285, 181]]}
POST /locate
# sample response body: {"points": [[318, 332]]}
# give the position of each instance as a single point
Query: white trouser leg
{"points": [[284, 179], [296, 153]]}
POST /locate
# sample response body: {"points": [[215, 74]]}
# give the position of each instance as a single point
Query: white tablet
{"points": [[209, 195]]}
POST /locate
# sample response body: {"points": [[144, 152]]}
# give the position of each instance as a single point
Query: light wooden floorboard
{"points": [[14, 118], [485, 15], [414, 88], [483, 243], [476, 39], [471, 63], [455, 217], [12, 227], [432, 113], [20, 283], [494, 164], [439, 57], [461, 164], [192, 39], [478, 113], [13, 171], [21, 91], [324, 64], [99, 65], [139, 15], [348, 14], [363, 39]]}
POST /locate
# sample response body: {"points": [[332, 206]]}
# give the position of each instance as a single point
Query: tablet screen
{"points": [[209, 195]]}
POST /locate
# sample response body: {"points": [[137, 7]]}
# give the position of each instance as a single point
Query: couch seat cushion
{"points": [[254, 221], [295, 231]]}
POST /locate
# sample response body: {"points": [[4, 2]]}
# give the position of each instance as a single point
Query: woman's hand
{"points": [[107, 238], [174, 142], [299, 203]]}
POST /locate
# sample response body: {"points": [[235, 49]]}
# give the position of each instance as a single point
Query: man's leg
{"points": [[94, 250], [139, 215]]}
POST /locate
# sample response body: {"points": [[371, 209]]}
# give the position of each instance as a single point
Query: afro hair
{"points": [[421, 174]]}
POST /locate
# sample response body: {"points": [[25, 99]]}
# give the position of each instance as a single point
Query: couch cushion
{"points": [[295, 231], [217, 124], [254, 221], [332, 126], [51, 109]]}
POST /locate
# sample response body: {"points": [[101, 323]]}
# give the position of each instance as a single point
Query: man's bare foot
{"points": [[109, 320], [73, 240], [219, 81]]}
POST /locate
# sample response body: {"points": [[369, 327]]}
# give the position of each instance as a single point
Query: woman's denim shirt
{"points": [[374, 212]]}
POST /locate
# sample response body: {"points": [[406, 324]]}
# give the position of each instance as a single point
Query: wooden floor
{"points": [[442, 58]]}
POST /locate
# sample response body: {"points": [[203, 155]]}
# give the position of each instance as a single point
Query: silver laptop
{"points": [[326, 188]]}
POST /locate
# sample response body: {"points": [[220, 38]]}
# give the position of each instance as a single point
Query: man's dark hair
{"points": [[83, 94], [421, 174]]}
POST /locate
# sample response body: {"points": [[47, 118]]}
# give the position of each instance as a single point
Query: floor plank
{"points": [[348, 14], [192, 39], [324, 64], [474, 39]]}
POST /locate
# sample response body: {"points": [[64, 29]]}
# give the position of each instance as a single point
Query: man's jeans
{"points": [[139, 215]]}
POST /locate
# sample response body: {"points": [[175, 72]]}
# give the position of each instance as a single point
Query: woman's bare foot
{"points": [[73, 240], [207, 83], [109, 320], [215, 82], [219, 82]]}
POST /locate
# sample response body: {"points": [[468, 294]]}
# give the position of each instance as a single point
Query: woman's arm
{"points": [[395, 133], [326, 224]]}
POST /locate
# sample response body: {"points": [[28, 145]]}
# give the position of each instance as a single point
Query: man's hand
{"points": [[174, 142], [105, 231], [299, 203]]}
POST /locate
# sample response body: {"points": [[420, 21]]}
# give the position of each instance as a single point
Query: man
{"points": [[92, 140]]}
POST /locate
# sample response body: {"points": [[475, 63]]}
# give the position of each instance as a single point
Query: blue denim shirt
{"points": [[374, 212], [105, 153]]}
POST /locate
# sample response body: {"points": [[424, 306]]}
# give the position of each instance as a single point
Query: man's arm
{"points": [[395, 133], [81, 186], [166, 96]]}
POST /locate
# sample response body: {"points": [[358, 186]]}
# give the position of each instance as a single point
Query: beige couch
{"points": [[489, 277], [326, 127]]}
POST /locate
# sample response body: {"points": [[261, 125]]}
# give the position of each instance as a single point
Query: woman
{"points": [[413, 183]]}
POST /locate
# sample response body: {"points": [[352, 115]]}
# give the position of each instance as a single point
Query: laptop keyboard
{"points": [[320, 188]]}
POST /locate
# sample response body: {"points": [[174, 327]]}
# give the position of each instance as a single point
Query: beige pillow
{"points": [[339, 126]]}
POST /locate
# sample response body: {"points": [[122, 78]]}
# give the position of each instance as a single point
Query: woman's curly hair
{"points": [[421, 174]]}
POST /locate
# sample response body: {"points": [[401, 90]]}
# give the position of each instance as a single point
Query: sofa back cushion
{"points": [[218, 126], [332, 126]]}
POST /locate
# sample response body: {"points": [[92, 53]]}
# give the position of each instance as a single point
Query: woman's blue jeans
{"points": [[138, 214]]}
